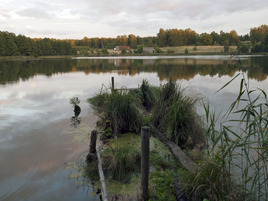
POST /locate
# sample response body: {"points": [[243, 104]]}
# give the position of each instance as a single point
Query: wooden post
{"points": [[145, 150], [112, 83], [93, 140], [92, 147]]}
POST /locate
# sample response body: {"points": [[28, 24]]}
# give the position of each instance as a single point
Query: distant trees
{"points": [[257, 34], [12, 45]]}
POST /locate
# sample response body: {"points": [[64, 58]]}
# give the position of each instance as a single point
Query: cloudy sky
{"points": [[109, 18]]}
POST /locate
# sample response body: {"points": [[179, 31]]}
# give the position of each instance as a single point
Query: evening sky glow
{"points": [[66, 19]]}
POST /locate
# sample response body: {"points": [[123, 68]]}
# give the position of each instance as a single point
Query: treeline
{"points": [[12, 45], [177, 37]]}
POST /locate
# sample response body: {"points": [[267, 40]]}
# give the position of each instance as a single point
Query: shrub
{"points": [[243, 48], [186, 51]]}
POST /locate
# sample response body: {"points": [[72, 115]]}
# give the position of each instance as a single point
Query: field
{"points": [[197, 49]]}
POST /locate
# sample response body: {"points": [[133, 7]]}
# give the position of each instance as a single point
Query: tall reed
{"points": [[242, 148]]}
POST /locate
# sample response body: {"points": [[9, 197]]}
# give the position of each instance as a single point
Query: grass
{"points": [[174, 114], [197, 49], [120, 108], [236, 166]]}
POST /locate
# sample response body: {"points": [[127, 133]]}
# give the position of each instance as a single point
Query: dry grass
{"points": [[199, 49]]}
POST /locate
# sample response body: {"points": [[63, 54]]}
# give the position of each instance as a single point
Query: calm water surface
{"points": [[37, 135]]}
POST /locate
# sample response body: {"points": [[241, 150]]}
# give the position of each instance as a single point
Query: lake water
{"points": [[39, 137]]}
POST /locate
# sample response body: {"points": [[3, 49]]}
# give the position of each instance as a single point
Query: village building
{"points": [[118, 49]]}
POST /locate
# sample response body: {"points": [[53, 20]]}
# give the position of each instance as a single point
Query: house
{"points": [[148, 50], [118, 49]]}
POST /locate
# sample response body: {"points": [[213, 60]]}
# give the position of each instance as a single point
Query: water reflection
{"points": [[175, 68], [76, 120]]}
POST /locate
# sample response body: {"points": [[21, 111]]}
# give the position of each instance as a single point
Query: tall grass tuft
{"points": [[175, 115], [121, 161], [120, 108], [149, 95], [240, 149]]}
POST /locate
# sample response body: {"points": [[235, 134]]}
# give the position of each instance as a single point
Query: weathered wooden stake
{"points": [[93, 139], [112, 83], [92, 147], [145, 150]]}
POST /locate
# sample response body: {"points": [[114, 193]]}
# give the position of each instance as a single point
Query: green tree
{"points": [[2, 44], [162, 38], [206, 39], [24, 45], [11, 47], [226, 46]]}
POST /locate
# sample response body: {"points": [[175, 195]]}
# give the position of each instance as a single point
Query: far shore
{"points": [[176, 52]]}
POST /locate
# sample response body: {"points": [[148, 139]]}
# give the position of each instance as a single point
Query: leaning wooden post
{"points": [[112, 83], [93, 140], [145, 150], [92, 147]]}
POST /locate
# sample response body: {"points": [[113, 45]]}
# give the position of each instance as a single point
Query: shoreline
{"points": [[132, 56]]}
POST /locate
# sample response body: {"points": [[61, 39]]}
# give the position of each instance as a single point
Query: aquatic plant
{"points": [[236, 167], [74, 101]]}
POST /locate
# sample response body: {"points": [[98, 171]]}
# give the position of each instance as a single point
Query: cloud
{"points": [[105, 18], [37, 13]]}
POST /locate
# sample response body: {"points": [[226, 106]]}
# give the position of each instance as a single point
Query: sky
{"points": [[75, 19]]}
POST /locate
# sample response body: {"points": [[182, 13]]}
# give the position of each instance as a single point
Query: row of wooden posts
{"points": [[145, 150]]}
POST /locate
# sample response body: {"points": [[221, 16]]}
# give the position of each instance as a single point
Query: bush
{"points": [[186, 51], [105, 51], [158, 50], [243, 48]]}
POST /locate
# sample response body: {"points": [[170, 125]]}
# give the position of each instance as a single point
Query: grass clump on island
{"points": [[167, 107], [123, 111]]}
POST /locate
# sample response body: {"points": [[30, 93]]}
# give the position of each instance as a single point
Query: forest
{"points": [[20, 45]]}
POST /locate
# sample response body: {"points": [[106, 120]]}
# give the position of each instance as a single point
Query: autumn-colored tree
{"points": [[233, 38], [162, 38], [257, 34], [132, 41]]}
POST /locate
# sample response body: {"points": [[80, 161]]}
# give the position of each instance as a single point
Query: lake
{"points": [[39, 136]]}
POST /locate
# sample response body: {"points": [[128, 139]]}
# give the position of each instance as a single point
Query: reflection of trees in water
{"points": [[13, 71], [175, 69]]}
